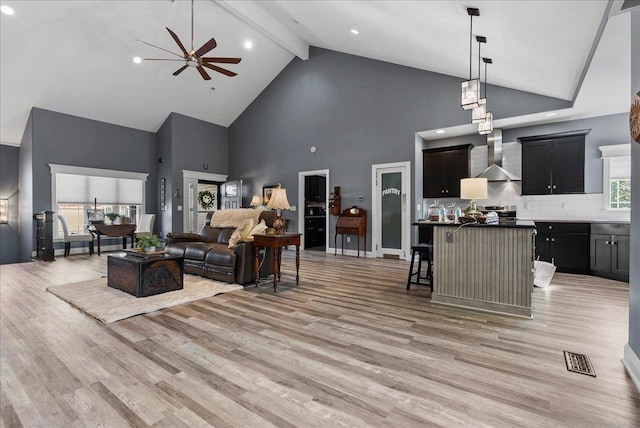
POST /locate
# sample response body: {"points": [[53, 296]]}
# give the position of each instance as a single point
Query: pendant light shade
{"points": [[470, 88], [486, 126], [478, 113]]}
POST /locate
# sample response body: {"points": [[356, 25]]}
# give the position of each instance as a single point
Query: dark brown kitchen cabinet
{"points": [[442, 170], [610, 250], [315, 188], [553, 164], [566, 245]]}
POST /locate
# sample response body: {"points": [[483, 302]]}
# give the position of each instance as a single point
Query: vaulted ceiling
{"points": [[75, 57]]}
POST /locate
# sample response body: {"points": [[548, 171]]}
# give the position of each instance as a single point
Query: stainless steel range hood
{"points": [[494, 171]]}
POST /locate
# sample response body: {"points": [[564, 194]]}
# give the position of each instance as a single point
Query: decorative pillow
{"points": [[259, 228], [241, 232]]}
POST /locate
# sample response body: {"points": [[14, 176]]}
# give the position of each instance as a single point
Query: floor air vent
{"points": [[579, 363]]}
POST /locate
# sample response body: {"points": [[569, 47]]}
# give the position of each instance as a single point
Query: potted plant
{"points": [[112, 216], [148, 243]]}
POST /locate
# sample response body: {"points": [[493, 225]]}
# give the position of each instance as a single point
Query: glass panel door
{"points": [[391, 204]]}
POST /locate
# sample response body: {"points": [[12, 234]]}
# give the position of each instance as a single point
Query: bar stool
{"points": [[424, 253]]}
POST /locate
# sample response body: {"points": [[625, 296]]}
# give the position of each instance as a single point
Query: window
{"points": [[616, 176], [75, 190], [620, 193]]}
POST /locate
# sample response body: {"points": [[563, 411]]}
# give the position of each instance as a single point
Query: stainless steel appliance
{"points": [[507, 214]]}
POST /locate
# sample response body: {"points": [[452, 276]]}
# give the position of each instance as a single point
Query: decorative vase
{"points": [[150, 250]]}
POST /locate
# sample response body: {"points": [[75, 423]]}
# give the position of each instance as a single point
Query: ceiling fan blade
{"points": [[158, 47], [221, 60], [219, 69], [180, 70], [184, 51], [203, 73], [206, 47]]}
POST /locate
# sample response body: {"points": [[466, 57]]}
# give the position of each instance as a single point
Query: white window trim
{"points": [[608, 152], [97, 172]]}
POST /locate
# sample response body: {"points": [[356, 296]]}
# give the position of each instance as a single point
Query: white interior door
{"points": [[391, 217]]}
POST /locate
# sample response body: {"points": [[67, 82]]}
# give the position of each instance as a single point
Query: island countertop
{"points": [[517, 224]]}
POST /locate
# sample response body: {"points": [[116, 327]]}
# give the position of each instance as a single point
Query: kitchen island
{"points": [[485, 267]]}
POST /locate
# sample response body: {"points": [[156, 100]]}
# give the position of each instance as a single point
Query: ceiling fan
{"points": [[195, 59]]}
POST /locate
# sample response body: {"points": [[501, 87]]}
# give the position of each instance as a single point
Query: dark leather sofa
{"points": [[208, 254]]}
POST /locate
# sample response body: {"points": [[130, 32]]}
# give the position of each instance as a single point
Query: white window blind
{"points": [[72, 188], [620, 167]]}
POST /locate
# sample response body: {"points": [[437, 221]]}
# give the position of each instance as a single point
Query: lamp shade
{"points": [[256, 201], [473, 188], [279, 199]]}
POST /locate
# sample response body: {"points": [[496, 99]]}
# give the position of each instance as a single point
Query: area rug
{"points": [[108, 304]]}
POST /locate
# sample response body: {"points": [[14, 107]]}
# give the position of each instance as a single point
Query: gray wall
{"points": [[357, 112], [193, 145], [70, 140], [26, 192], [634, 277], [9, 179]]}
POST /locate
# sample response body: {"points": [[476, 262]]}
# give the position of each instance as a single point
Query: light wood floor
{"points": [[348, 347]]}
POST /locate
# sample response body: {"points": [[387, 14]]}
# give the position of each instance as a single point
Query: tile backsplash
{"points": [[584, 207]]}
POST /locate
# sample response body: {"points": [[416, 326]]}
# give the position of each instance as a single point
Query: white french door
{"points": [[391, 188]]}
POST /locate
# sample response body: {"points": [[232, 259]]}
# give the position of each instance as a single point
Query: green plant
{"points": [[112, 216], [148, 241]]}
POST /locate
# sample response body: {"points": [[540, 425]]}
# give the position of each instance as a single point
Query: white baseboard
{"points": [[632, 364], [350, 252]]}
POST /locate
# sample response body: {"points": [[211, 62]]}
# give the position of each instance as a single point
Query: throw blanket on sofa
{"points": [[234, 217]]}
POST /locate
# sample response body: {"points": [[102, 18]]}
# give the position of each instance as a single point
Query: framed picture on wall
{"points": [[267, 191]]}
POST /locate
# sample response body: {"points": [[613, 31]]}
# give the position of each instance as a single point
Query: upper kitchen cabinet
{"points": [[442, 170], [553, 164], [315, 188]]}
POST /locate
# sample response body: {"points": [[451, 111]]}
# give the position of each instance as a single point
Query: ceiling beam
{"points": [[266, 24], [594, 47]]}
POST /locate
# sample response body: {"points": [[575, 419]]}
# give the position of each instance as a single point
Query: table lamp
{"points": [[256, 201], [473, 189], [278, 202]]}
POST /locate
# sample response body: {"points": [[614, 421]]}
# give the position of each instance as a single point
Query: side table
{"points": [[276, 242]]}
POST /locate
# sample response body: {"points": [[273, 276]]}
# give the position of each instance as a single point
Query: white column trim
{"points": [[632, 364], [204, 176]]}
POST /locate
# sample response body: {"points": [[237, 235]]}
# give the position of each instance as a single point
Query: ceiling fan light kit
{"points": [[195, 58]]}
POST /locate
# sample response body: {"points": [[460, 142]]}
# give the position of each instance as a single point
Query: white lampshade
{"points": [[279, 199], [256, 201], [473, 188]]}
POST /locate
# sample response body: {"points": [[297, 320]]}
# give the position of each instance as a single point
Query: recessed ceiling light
{"points": [[6, 9], [137, 59], [550, 114], [354, 31], [248, 44], [440, 131]]}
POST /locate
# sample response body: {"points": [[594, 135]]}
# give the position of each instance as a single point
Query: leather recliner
{"points": [[208, 254]]}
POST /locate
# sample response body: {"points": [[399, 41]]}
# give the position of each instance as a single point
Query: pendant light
{"points": [[486, 126], [470, 88], [478, 113]]}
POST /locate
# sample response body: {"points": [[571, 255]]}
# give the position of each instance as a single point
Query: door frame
{"points": [[301, 188], [376, 224], [188, 176]]}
